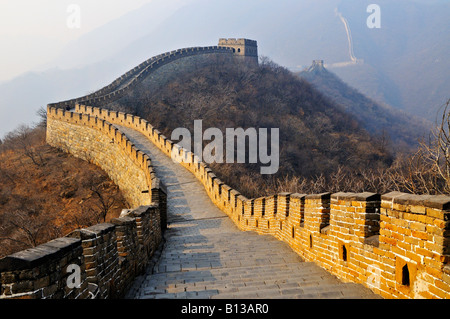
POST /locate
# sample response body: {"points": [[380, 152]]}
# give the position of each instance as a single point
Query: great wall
{"points": [[395, 244]]}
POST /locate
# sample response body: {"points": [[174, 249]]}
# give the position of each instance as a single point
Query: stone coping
{"points": [[36, 256], [365, 196], [441, 202]]}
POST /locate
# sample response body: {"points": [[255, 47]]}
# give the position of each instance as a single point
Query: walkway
{"points": [[207, 256]]}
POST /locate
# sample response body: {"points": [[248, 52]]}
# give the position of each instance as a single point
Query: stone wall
{"points": [[99, 142], [396, 244], [41, 272], [122, 85], [108, 256]]}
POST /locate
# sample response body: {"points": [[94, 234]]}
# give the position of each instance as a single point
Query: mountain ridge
{"points": [[403, 129], [404, 61], [316, 136]]}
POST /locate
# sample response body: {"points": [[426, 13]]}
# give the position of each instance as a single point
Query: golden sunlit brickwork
{"points": [[365, 237]]}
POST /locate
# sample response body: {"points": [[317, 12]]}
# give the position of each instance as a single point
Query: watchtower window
{"points": [[263, 209], [405, 275], [239, 50], [344, 253]]}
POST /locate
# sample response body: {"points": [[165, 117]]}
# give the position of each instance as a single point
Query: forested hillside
{"points": [[317, 137], [46, 193], [402, 129]]}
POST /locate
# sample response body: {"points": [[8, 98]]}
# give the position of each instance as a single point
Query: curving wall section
{"points": [[99, 142], [103, 260], [122, 85], [396, 244], [109, 255]]}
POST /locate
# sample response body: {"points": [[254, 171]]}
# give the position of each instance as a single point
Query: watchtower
{"points": [[242, 47], [316, 66]]}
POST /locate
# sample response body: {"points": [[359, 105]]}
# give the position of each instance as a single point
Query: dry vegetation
{"points": [[45, 193], [322, 148]]}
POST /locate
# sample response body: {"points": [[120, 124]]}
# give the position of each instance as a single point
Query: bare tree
{"points": [[437, 150], [24, 228], [27, 140], [6, 174], [42, 114], [102, 199], [427, 171], [105, 202]]}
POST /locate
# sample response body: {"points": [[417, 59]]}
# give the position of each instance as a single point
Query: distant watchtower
{"points": [[318, 63], [242, 47], [317, 66]]}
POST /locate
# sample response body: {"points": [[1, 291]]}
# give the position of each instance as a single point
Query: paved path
{"points": [[206, 256]]}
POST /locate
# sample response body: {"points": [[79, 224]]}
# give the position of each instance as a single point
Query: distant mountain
{"points": [[316, 136], [403, 129], [405, 61], [22, 97]]}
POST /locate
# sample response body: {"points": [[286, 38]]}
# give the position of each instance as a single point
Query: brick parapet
{"points": [[396, 244], [349, 234], [99, 142], [122, 85], [109, 256]]}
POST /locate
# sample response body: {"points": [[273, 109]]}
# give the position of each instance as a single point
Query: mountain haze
{"points": [[405, 62], [316, 136], [403, 130]]}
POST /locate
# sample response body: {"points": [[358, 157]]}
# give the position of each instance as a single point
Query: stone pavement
{"points": [[206, 256]]}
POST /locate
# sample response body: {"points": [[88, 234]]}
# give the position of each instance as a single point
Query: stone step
{"points": [[207, 256]]}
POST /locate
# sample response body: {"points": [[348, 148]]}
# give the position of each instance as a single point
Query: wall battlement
{"points": [[122, 85], [99, 142], [108, 257], [242, 47], [366, 238], [396, 244]]}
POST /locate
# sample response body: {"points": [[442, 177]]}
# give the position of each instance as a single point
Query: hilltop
{"points": [[404, 61], [403, 130], [316, 136]]}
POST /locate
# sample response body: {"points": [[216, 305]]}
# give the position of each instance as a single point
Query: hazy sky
{"points": [[42, 27]]}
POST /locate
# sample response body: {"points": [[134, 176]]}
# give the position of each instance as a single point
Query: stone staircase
{"points": [[206, 256]]}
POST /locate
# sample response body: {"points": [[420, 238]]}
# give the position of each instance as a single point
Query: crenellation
{"points": [[122, 85], [396, 244], [241, 47], [40, 272]]}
